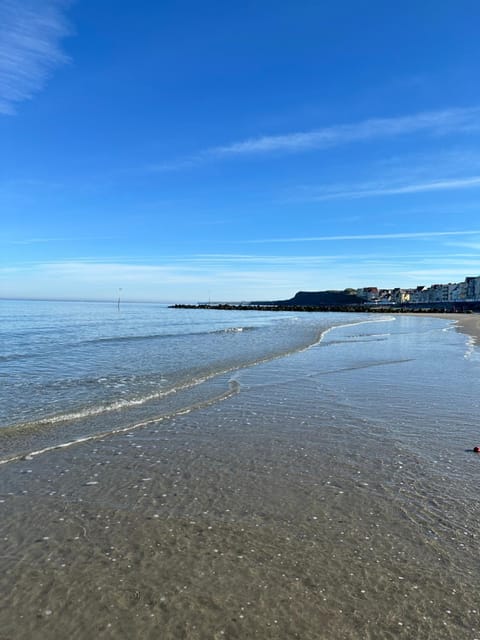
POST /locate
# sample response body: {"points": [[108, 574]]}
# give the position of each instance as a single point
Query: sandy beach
{"points": [[288, 510], [468, 323]]}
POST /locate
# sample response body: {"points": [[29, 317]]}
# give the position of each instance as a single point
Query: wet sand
{"points": [[244, 519], [469, 324], [266, 532]]}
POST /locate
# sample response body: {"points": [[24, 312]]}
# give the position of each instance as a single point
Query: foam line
{"points": [[234, 388]]}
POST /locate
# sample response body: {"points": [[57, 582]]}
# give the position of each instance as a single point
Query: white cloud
{"points": [[30, 35], [230, 276], [436, 122], [442, 122], [439, 275], [474, 246], [370, 236], [369, 190]]}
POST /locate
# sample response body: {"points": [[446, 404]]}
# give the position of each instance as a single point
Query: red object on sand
{"points": [[476, 449]]}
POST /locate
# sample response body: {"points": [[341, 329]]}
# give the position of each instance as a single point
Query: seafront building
{"points": [[466, 291]]}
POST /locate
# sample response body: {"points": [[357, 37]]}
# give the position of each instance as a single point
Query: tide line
{"points": [[234, 388]]}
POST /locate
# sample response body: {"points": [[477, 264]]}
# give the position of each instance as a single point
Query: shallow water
{"points": [[59, 360], [330, 493], [74, 370]]}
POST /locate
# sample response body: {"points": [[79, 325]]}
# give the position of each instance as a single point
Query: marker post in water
{"points": [[118, 302]]}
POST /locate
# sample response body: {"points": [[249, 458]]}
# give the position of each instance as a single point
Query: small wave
{"points": [[109, 339], [15, 356], [470, 350], [161, 336], [233, 388], [125, 403], [102, 408], [354, 340], [353, 324]]}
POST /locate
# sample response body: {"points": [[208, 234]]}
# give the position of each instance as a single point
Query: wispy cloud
{"points": [[370, 236], [53, 240], [437, 122], [30, 47], [372, 190], [473, 245], [229, 276], [443, 122]]}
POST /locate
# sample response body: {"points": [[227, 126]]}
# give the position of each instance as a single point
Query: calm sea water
{"points": [[73, 368]]}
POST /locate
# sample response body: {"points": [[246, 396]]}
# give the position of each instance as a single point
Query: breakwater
{"points": [[467, 307]]}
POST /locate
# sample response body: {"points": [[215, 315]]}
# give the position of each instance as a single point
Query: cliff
{"points": [[318, 299]]}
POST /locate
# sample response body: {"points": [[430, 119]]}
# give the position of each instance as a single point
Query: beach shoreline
{"points": [[466, 323], [288, 510]]}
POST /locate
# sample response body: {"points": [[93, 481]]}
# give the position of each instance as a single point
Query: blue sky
{"points": [[186, 150]]}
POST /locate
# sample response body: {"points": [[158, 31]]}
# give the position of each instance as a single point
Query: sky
{"points": [[226, 151]]}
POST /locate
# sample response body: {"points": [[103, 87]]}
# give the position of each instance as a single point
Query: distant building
{"points": [[385, 295], [438, 293], [472, 288], [418, 294], [468, 291], [400, 296], [457, 291], [368, 293]]}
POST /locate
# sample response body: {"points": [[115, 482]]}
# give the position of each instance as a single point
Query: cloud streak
{"points": [[441, 122], [369, 191], [30, 47], [371, 236], [224, 276], [435, 122]]}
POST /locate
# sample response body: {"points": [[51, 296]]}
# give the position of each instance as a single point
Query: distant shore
{"points": [[468, 323]]}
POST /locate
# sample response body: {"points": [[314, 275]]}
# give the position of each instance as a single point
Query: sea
{"points": [[182, 473], [77, 369]]}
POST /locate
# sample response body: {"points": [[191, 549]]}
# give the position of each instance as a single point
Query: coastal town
{"points": [[452, 297], [466, 291]]}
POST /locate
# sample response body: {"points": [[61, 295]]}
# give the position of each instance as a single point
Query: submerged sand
{"points": [[278, 513], [206, 531]]}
